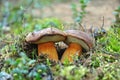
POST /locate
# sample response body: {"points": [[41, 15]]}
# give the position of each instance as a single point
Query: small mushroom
{"points": [[76, 40], [45, 40]]}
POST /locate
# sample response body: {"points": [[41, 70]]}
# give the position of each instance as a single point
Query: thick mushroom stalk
{"points": [[72, 50], [48, 49]]}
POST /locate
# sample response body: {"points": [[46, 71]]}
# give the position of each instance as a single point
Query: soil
{"points": [[96, 9]]}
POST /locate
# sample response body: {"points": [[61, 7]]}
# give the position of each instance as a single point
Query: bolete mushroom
{"points": [[76, 40], [45, 40]]}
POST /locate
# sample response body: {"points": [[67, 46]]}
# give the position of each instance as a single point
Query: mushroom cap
{"points": [[46, 35], [79, 37]]}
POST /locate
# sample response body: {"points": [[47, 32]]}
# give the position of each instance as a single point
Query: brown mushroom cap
{"points": [[79, 37], [46, 35]]}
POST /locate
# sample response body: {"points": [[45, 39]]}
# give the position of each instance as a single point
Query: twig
{"points": [[9, 42], [103, 23], [82, 28]]}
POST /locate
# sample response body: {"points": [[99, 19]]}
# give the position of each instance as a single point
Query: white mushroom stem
{"points": [[71, 51], [48, 49]]}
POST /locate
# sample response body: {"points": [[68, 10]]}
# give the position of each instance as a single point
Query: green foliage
{"points": [[47, 22], [38, 24], [20, 20], [78, 15], [23, 68], [109, 71], [110, 42], [100, 59], [72, 72]]}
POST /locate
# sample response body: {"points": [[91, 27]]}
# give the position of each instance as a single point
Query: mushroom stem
{"points": [[71, 51], [48, 49]]}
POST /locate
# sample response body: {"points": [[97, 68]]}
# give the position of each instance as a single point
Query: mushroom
{"points": [[45, 40], [76, 40]]}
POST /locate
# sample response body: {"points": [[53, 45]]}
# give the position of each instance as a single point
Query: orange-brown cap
{"points": [[46, 35], [79, 37]]}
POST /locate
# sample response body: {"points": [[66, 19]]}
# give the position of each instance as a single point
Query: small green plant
{"points": [[110, 42], [47, 22], [117, 15], [23, 68], [78, 15]]}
